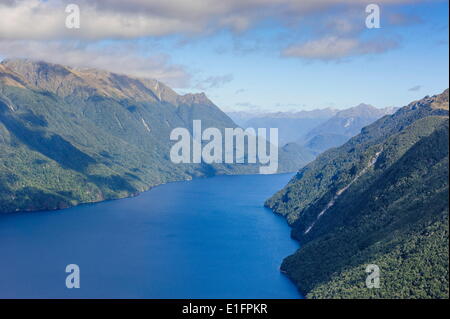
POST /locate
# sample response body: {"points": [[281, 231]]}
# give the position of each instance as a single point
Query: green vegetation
{"points": [[381, 198], [71, 136]]}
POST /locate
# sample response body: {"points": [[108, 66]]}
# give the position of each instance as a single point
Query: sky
{"points": [[247, 55]]}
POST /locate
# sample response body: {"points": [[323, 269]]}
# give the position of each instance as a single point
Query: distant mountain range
{"points": [[380, 199], [291, 126], [317, 130], [241, 117], [71, 135], [341, 127]]}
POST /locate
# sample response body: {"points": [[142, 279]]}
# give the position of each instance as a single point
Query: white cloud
{"points": [[214, 82], [100, 19], [415, 88], [36, 29], [120, 59], [403, 19], [337, 48]]}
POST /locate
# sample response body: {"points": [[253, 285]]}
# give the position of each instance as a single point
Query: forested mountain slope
{"points": [[381, 198], [70, 136]]}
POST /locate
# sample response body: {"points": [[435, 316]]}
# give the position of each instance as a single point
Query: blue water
{"points": [[206, 238]]}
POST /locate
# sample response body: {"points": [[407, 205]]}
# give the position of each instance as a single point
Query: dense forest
{"points": [[381, 198]]}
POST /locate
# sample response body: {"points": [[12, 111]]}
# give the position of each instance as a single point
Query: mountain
{"points": [[292, 126], [71, 135], [381, 198], [317, 130], [342, 126], [295, 153]]}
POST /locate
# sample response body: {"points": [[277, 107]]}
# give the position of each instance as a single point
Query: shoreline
{"points": [[254, 184], [284, 272], [135, 194]]}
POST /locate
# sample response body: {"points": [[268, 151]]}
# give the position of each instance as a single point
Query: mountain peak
{"points": [[364, 106], [66, 81], [194, 98], [440, 101], [364, 110], [435, 102]]}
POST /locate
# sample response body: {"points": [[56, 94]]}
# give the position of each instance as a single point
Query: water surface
{"points": [[206, 238]]}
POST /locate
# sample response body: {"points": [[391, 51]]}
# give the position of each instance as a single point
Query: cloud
{"points": [[36, 29], [214, 82], [120, 59], [340, 34], [106, 19], [337, 48], [403, 19], [415, 88]]}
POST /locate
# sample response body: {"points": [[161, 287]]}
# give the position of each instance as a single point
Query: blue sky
{"points": [[239, 54], [262, 78]]}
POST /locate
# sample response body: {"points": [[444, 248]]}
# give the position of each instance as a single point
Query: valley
{"points": [[71, 136], [228, 150], [76, 136]]}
